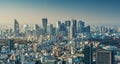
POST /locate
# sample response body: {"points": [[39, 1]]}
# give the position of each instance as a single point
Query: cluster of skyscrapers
{"points": [[68, 42]]}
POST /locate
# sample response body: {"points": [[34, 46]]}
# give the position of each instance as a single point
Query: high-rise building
{"points": [[54, 31], [67, 24], [16, 28], [51, 29], [81, 25], [104, 57], [37, 28], [87, 29], [58, 26], [10, 43], [88, 54], [62, 27], [59, 23], [74, 28], [44, 23]]}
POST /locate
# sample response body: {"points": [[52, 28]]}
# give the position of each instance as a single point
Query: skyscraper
{"points": [[74, 28], [81, 25], [44, 23], [68, 24], [54, 31], [16, 28], [104, 57], [59, 23], [62, 27], [87, 29], [88, 54], [37, 28], [51, 29], [10, 43]]}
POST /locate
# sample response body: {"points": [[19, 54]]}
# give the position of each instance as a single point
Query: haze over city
{"points": [[32, 11], [59, 32]]}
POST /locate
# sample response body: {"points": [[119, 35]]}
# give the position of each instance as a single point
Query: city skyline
{"points": [[32, 11], [59, 32]]}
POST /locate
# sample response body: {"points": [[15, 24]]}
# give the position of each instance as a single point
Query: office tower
{"points": [[10, 43], [62, 27], [16, 28], [87, 29], [88, 54], [104, 57], [37, 28], [51, 29], [58, 25], [74, 28], [81, 25], [48, 29], [67, 24], [44, 23], [54, 31]]}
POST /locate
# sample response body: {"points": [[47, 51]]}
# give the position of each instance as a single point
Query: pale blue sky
{"points": [[32, 11]]}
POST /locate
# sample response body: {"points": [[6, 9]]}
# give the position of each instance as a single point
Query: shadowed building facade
{"points": [[104, 57]]}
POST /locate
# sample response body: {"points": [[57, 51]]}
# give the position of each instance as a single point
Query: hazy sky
{"points": [[32, 11]]}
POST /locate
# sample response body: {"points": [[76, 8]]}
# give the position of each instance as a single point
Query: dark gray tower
{"points": [[74, 28], [44, 23], [16, 28], [88, 54]]}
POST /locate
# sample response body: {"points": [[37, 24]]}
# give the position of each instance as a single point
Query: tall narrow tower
{"points": [[16, 28], [74, 28], [88, 54], [44, 23]]}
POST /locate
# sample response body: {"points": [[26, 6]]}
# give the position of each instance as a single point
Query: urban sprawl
{"points": [[66, 42]]}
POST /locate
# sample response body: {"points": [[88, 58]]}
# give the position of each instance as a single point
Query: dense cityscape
{"points": [[66, 42]]}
